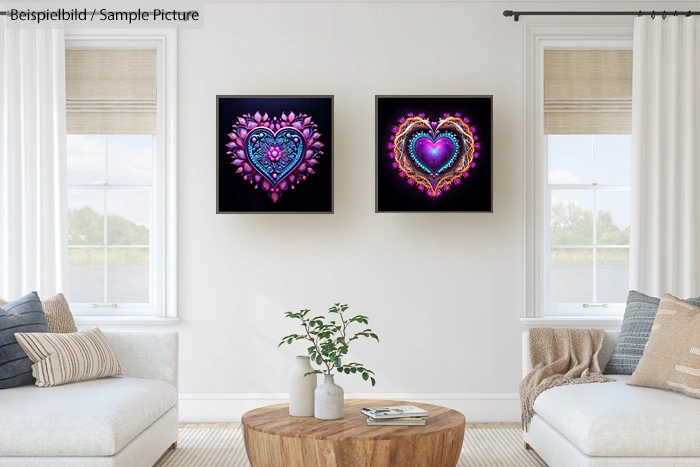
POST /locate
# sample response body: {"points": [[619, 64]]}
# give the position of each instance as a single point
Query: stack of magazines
{"points": [[403, 415]]}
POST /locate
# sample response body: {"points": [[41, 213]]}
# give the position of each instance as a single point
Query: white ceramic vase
{"points": [[329, 403], [301, 388]]}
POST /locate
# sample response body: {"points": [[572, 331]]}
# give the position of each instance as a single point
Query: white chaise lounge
{"points": [[612, 424], [125, 421]]}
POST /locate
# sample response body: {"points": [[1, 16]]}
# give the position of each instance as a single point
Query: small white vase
{"points": [[301, 388], [329, 400]]}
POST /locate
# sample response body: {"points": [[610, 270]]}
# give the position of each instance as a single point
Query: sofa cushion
{"points": [[90, 418], [616, 420], [23, 315], [69, 357], [636, 327], [58, 313], [672, 357]]}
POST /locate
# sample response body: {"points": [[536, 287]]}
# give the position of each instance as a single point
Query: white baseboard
{"points": [[230, 407]]}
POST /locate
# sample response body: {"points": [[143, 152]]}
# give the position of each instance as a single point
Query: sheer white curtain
{"points": [[33, 212], [665, 224]]}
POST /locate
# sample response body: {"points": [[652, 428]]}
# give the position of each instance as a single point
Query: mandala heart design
{"points": [[274, 153], [435, 156]]}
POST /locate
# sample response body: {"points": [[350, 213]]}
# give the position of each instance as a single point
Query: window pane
{"points": [[570, 159], [86, 217], [612, 275], [613, 159], [128, 217], [572, 217], [130, 159], [613, 219], [86, 159], [128, 275], [86, 275], [571, 275]]}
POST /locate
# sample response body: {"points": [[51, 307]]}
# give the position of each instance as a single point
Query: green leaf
{"points": [[365, 376], [319, 360], [373, 381], [289, 341], [337, 361], [354, 370], [346, 370]]}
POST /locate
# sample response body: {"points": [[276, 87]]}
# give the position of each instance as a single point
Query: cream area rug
{"points": [[223, 447]]}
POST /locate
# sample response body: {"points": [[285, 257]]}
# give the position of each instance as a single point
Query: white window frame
{"points": [[575, 309], [163, 246], [539, 38]]}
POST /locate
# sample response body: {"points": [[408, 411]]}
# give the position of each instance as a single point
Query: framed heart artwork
{"points": [[434, 154], [274, 154]]}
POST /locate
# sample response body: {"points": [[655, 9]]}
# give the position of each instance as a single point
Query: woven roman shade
{"points": [[587, 91], [111, 91]]}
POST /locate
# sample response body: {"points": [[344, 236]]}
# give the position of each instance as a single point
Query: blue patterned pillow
{"points": [[634, 335], [23, 315]]}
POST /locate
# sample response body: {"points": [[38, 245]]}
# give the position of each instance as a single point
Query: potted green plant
{"points": [[330, 342]]}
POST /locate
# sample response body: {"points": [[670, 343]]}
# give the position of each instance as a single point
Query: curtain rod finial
{"points": [[511, 13]]}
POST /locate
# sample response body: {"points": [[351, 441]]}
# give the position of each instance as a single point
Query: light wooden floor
{"points": [[206, 426]]}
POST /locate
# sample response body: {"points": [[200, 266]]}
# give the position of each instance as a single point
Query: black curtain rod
{"points": [[517, 14]]}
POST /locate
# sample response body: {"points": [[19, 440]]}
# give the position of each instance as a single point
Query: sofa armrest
{"points": [[151, 355]]}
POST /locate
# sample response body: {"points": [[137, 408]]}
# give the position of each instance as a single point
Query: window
{"points": [[578, 89], [588, 201], [587, 103], [110, 215], [121, 173]]}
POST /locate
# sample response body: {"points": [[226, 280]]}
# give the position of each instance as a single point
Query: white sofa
{"points": [[127, 421], [613, 424]]}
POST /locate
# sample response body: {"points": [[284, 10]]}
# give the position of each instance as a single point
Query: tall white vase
{"points": [[329, 400], [301, 389]]}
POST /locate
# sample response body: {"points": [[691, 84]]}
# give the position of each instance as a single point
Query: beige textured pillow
{"points": [[68, 358], [671, 359], [58, 314]]}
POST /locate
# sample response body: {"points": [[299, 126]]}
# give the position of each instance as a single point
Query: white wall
{"points": [[443, 291]]}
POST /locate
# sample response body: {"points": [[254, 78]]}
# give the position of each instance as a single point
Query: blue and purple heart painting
{"points": [[275, 154], [434, 154]]}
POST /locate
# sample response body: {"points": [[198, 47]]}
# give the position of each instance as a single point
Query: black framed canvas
{"points": [[434, 154], [274, 154]]}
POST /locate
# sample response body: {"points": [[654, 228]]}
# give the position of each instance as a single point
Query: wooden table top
{"points": [[275, 419]]}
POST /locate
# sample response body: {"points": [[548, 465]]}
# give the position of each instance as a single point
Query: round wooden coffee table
{"points": [[273, 438]]}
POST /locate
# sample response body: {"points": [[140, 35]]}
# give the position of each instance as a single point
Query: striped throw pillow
{"points": [[23, 315], [672, 357], [58, 314], [69, 358]]}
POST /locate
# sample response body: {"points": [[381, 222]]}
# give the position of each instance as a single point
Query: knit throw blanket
{"points": [[560, 357]]}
